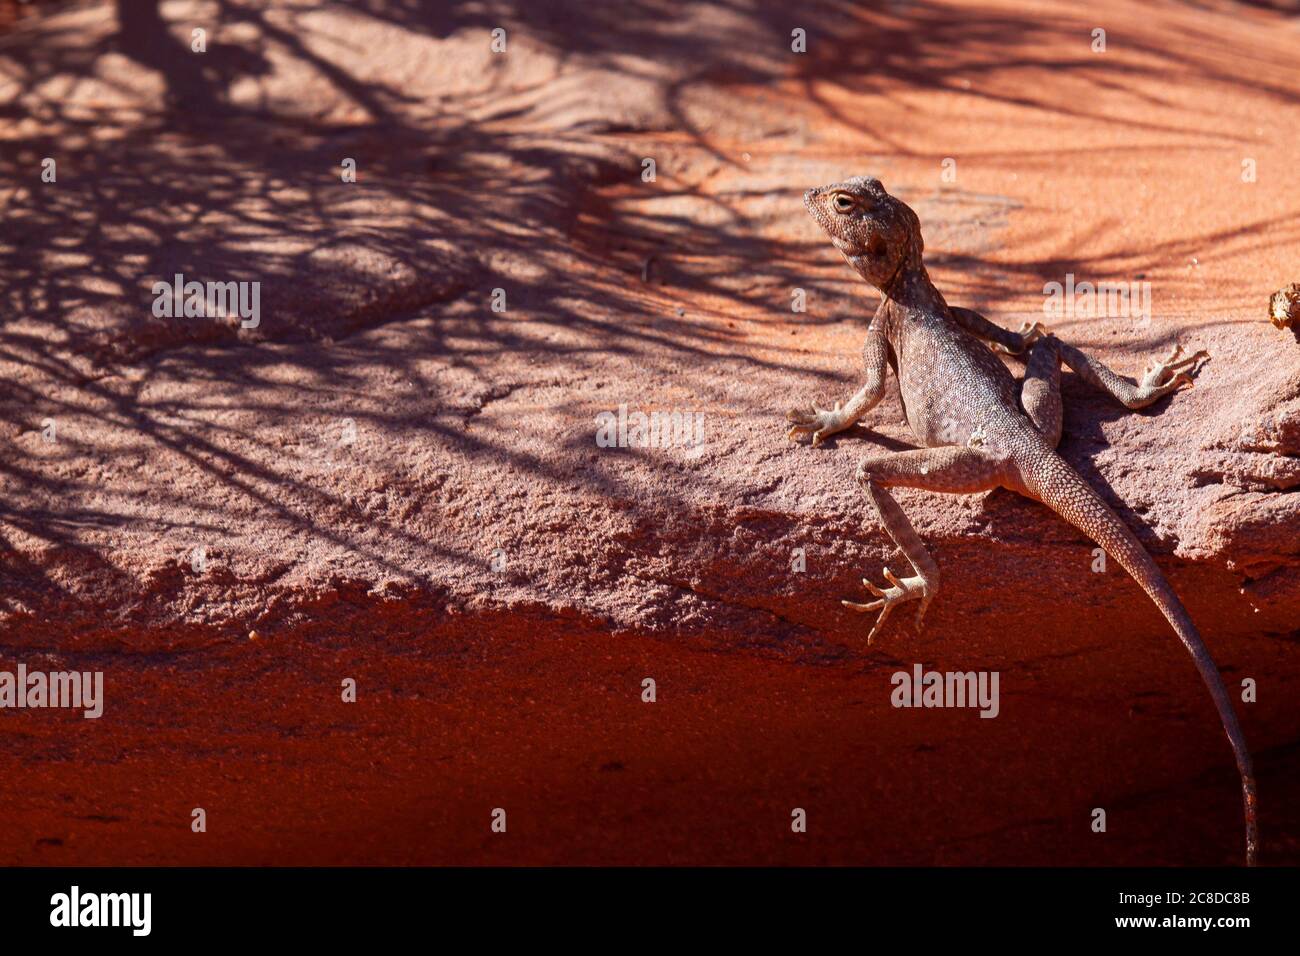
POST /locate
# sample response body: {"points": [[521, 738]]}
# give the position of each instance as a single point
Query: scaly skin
{"points": [[961, 403]]}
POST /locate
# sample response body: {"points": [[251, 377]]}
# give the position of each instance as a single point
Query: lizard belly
{"points": [[952, 391]]}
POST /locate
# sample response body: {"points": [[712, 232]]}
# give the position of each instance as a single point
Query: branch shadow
{"points": [[217, 179]]}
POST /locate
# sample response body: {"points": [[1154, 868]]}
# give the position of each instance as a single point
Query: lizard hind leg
{"points": [[1040, 392], [952, 469], [1154, 377], [1159, 379]]}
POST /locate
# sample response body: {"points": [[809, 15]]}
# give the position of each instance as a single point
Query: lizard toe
{"points": [[900, 590]]}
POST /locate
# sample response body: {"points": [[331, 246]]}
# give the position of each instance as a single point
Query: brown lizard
{"points": [[961, 403]]}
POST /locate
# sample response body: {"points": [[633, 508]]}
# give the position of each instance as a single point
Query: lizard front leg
{"points": [[952, 469], [1004, 340], [822, 422]]}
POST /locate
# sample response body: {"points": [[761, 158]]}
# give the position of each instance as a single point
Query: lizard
{"points": [[960, 401]]}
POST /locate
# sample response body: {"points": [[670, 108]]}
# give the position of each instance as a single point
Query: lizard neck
{"points": [[911, 288]]}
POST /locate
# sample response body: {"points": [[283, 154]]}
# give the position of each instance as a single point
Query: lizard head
{"points": [[878, 234]]}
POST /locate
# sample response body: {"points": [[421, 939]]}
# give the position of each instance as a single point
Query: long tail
{"points": [[1051, 479]]}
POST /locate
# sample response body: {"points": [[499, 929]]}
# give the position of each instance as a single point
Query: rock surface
{"points": [[387, 479]]}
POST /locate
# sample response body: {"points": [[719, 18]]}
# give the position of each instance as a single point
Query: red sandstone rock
{"points": [[392, 481]]}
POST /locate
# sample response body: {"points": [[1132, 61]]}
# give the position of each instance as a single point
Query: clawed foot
{"points": [[908, 589], [1165, 376], [1029, 332], [820, 422]]}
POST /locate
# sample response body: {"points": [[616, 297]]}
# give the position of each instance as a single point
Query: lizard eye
{"points": [[842, 203]]}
